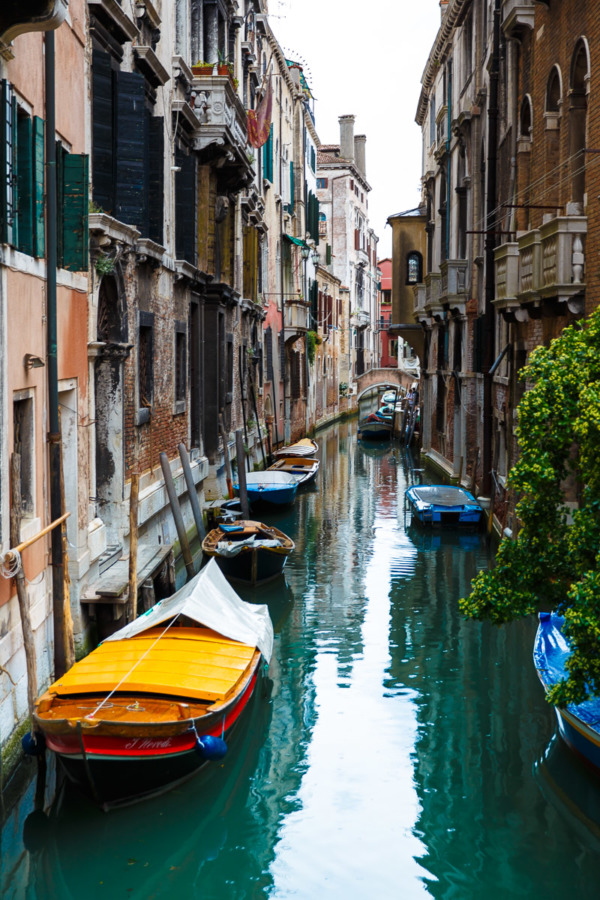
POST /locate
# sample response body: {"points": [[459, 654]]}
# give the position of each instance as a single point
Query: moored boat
{"points": [[578, 724], [159, 699], [374, 428], [277, 488], [248, 551], [443, 504], [303, 447], [304, 468]]}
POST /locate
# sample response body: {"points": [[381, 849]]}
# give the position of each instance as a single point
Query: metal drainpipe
{"points": [[449, 172], [286, 415], [489, 314], [54, 438]]}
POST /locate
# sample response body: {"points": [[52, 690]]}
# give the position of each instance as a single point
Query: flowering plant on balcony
{"points": [[202, 68]]}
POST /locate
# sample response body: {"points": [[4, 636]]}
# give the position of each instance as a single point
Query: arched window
{"points": [[526, 119], [554, 91], [580, 77], [414, 268]]}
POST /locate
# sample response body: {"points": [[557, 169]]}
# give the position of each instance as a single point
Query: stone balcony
{"points": [[433, 290], [420, 299], [453, 286], [221, 137], [517, 16], [545, 265], [296, 318]]}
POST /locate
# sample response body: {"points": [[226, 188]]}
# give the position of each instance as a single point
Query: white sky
{"points": [[366, 59]]}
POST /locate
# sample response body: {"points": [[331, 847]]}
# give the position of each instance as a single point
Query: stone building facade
{"points": [[507, 110]]}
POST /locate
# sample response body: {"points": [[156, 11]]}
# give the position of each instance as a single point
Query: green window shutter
{"points": [[5, 162], [268, 157], [24, 185], [328, 254], [75, 202], [60, 206], [39, 235]]}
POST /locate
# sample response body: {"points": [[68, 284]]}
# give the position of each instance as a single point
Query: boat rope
{"points": [[134, 666], [10, 569]]}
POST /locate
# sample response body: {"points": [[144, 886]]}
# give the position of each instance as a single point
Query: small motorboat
{"points": [[578, 724], [277, 488], [303, 447], [158, 700], [305, 469], [374, 428], [248, 551], [443, 504], [387, 411]]}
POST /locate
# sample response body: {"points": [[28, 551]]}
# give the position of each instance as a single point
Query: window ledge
{"points": [[179, 407]]}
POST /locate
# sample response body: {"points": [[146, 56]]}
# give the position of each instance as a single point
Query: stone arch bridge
{"points": [[383, 379]]}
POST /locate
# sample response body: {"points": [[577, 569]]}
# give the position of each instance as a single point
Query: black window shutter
{"points": [[185, 207], [156, 177], [131, 194], [269, 352], [103, 132], [282, 352]]}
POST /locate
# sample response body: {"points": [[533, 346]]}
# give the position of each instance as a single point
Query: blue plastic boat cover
{"points": [[443, 495], [550, 654]]}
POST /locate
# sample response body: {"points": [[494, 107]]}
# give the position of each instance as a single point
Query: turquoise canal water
{"points": [[405, 753]]}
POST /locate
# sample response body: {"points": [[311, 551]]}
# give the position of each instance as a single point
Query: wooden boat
{"points": [[278, 488], [303, 468], [304, 447], [248, 551], [443, 504], [578, 724], [159, 699], [374, 428]]}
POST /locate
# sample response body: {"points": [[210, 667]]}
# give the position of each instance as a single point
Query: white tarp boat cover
{"points": [[210, 600], [234, 548], [270, 479]]}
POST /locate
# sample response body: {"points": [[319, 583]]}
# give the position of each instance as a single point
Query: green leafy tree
{"points": [[554, 562]]}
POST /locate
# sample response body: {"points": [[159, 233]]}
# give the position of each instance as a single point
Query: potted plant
{"points": [[224, 67], [203, 68]]}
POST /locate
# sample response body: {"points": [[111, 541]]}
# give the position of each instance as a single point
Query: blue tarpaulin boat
{"points": [[278, 488], [578, 724], [443, 504]]}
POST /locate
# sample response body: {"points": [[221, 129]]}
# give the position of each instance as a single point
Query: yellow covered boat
{"points": [[159, 699]]}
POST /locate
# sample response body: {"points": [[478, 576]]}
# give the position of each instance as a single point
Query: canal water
{"points": [[404, 753]]}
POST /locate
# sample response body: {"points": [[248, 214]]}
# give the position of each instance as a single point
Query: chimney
{"points": [[443, 6], [347, 137], [360, 153]]}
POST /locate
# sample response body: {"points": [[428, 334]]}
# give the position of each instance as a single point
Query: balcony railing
{"points": [[222, 132], [420, 299], [547, 263], [296, 318], [453, 288]]}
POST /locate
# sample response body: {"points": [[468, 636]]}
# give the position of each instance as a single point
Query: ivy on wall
{"points": [[554, 562]]}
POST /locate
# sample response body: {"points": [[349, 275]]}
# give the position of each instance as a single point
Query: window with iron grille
{"points": [[145, 366], [180, 366]]}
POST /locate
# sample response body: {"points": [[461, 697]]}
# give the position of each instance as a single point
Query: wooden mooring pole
{"points": [[133, 544], [19, 577]]}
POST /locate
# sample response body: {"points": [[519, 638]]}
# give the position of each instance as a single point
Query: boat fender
{"points": [[210, 747], [33, 744]]}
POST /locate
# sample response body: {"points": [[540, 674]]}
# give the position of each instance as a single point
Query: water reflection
{"points": [[396, 757]]}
